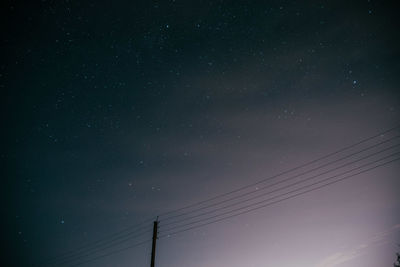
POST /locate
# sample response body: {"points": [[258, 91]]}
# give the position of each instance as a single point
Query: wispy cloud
{"points": [[343, 256]]}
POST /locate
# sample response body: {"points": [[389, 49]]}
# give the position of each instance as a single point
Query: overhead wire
{"points": [[258, 189], [83, 251], [281, 173], [96, 249], [112, 253], [109, 238], [277, 201], [334, 176], [281, 188], [76, 257]]}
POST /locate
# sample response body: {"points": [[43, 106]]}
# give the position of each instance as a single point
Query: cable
{"points": [[97, 249], [280, 200], [112, 253], [113, 236], [336, 168], [282, 173], [279, 182], [268, 204], [295, 176], [187, 224], [324, 165], [95, 243]]}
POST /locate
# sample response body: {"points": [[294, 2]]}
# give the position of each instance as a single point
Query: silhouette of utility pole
{"points": [[153, 247]]}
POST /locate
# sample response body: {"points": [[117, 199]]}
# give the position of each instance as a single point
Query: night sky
{"points": [[114, 112]]}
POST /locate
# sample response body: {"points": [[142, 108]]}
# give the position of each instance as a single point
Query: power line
{"points": [[274, 184], [112, 252], [259, 207], [279, 182], [334, 176], [282, 173], [280, 200], [114, 236], [96, 249], [69, 259], [99, 242]]}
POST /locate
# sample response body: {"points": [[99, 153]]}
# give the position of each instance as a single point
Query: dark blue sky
{"points": [[115, 112]]}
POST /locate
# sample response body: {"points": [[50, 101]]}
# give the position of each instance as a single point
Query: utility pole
{"points": [[153, 247]]}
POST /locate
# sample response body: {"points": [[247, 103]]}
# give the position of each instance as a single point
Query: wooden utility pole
{"points": [[153, 247]]}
